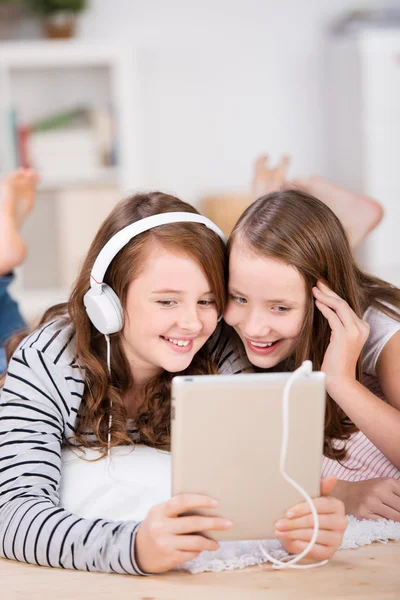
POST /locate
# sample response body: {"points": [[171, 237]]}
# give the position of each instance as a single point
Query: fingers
{"points": [[323, 505], [345, 313], [389, 489], [195, 543], [261, 164], [187, 502], [334, 322], [165, 539], [282, 167], [199, 523], [370, 516], [318, 551], [328, 522], [347, 316], [327, 485], [341, 317], [388, 512], [386, 490], [325, 537], [262, 167]]}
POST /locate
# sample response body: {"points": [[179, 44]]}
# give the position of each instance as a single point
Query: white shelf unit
{"points": [[42, 78], [364, 98], [105, 176]]}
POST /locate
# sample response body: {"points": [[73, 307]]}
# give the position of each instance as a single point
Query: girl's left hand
{"points": [[348, 336], [295, 531]]}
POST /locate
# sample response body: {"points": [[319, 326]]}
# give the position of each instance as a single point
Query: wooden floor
{"points": [[371, 572]]}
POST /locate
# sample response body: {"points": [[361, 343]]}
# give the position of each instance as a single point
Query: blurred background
{"points": [[182, 96]]}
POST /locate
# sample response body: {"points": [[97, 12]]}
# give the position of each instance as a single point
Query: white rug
{"points": [[237, 555]]}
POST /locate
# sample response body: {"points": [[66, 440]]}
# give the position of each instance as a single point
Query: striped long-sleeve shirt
{"points": [[39, 407]]}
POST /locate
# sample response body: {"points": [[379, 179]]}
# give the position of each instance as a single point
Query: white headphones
{"points": [[102, 304]]}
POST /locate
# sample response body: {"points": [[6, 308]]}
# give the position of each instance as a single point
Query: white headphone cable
{"points": [[125, 483], [304, 369], [110, 415]]}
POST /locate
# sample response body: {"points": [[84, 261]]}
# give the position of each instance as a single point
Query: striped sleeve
{"points": [[34, 413], [228, 353]]}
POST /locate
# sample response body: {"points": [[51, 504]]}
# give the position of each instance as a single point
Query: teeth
{"points": [[179, 342], [258, 345]]}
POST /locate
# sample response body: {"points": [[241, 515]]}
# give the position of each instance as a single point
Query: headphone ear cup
{"points": [[104, 310]]}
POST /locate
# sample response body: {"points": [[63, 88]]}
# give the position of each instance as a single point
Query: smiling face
{"points": [[266, 306], [170, 313]]}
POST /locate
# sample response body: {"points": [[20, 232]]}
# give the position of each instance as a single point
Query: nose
{"points": [[256, 326], [189, 320]]}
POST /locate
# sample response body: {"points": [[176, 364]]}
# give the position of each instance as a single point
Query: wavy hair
{"points": [[104, 393], [303, 232]]}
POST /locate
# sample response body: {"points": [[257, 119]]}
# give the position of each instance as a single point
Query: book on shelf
{"points": [[70, 118], [74, 143], [23, 133], [68, 153]]}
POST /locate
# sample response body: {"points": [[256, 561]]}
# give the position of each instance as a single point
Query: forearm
{"points": [[379, 421], [33, 530], [33, 526]]}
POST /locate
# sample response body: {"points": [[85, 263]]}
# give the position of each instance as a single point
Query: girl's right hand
{"points": [[165, 539], [348, 336]]}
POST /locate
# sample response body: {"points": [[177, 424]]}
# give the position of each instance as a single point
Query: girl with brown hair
{"points": [[89, 382], [296, 293]]}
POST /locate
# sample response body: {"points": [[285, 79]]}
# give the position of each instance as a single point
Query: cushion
{"points": [[122, 488]]}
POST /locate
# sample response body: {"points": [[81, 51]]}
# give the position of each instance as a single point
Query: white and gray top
{"points": [[39, 407]]}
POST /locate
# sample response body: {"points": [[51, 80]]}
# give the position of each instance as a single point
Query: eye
{"points": [[281, 309], [206, 302], [238, 299], [166, 303]]}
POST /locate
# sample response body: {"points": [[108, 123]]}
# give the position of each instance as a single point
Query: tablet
{"points": [[226, 433]]}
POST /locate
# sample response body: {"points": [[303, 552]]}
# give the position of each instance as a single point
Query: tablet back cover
{"points": [[226, 441]]}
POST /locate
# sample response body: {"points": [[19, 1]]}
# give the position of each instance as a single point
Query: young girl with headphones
{"points": [[295, 293], [97, 373]]}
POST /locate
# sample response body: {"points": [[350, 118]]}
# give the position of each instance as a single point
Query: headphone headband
{"points": [[120, 239]]}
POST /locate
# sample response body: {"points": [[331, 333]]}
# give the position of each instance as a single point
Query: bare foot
{"points": [[17, 197], [358, 213], [268, 179]]}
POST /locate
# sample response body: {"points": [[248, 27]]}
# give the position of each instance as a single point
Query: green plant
{"points": [[48, 7]]}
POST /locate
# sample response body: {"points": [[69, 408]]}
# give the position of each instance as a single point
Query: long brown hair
{"points": [[153, 419], [303, 232]]}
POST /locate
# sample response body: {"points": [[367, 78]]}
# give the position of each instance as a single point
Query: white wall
{"points": [[223, 80]]}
